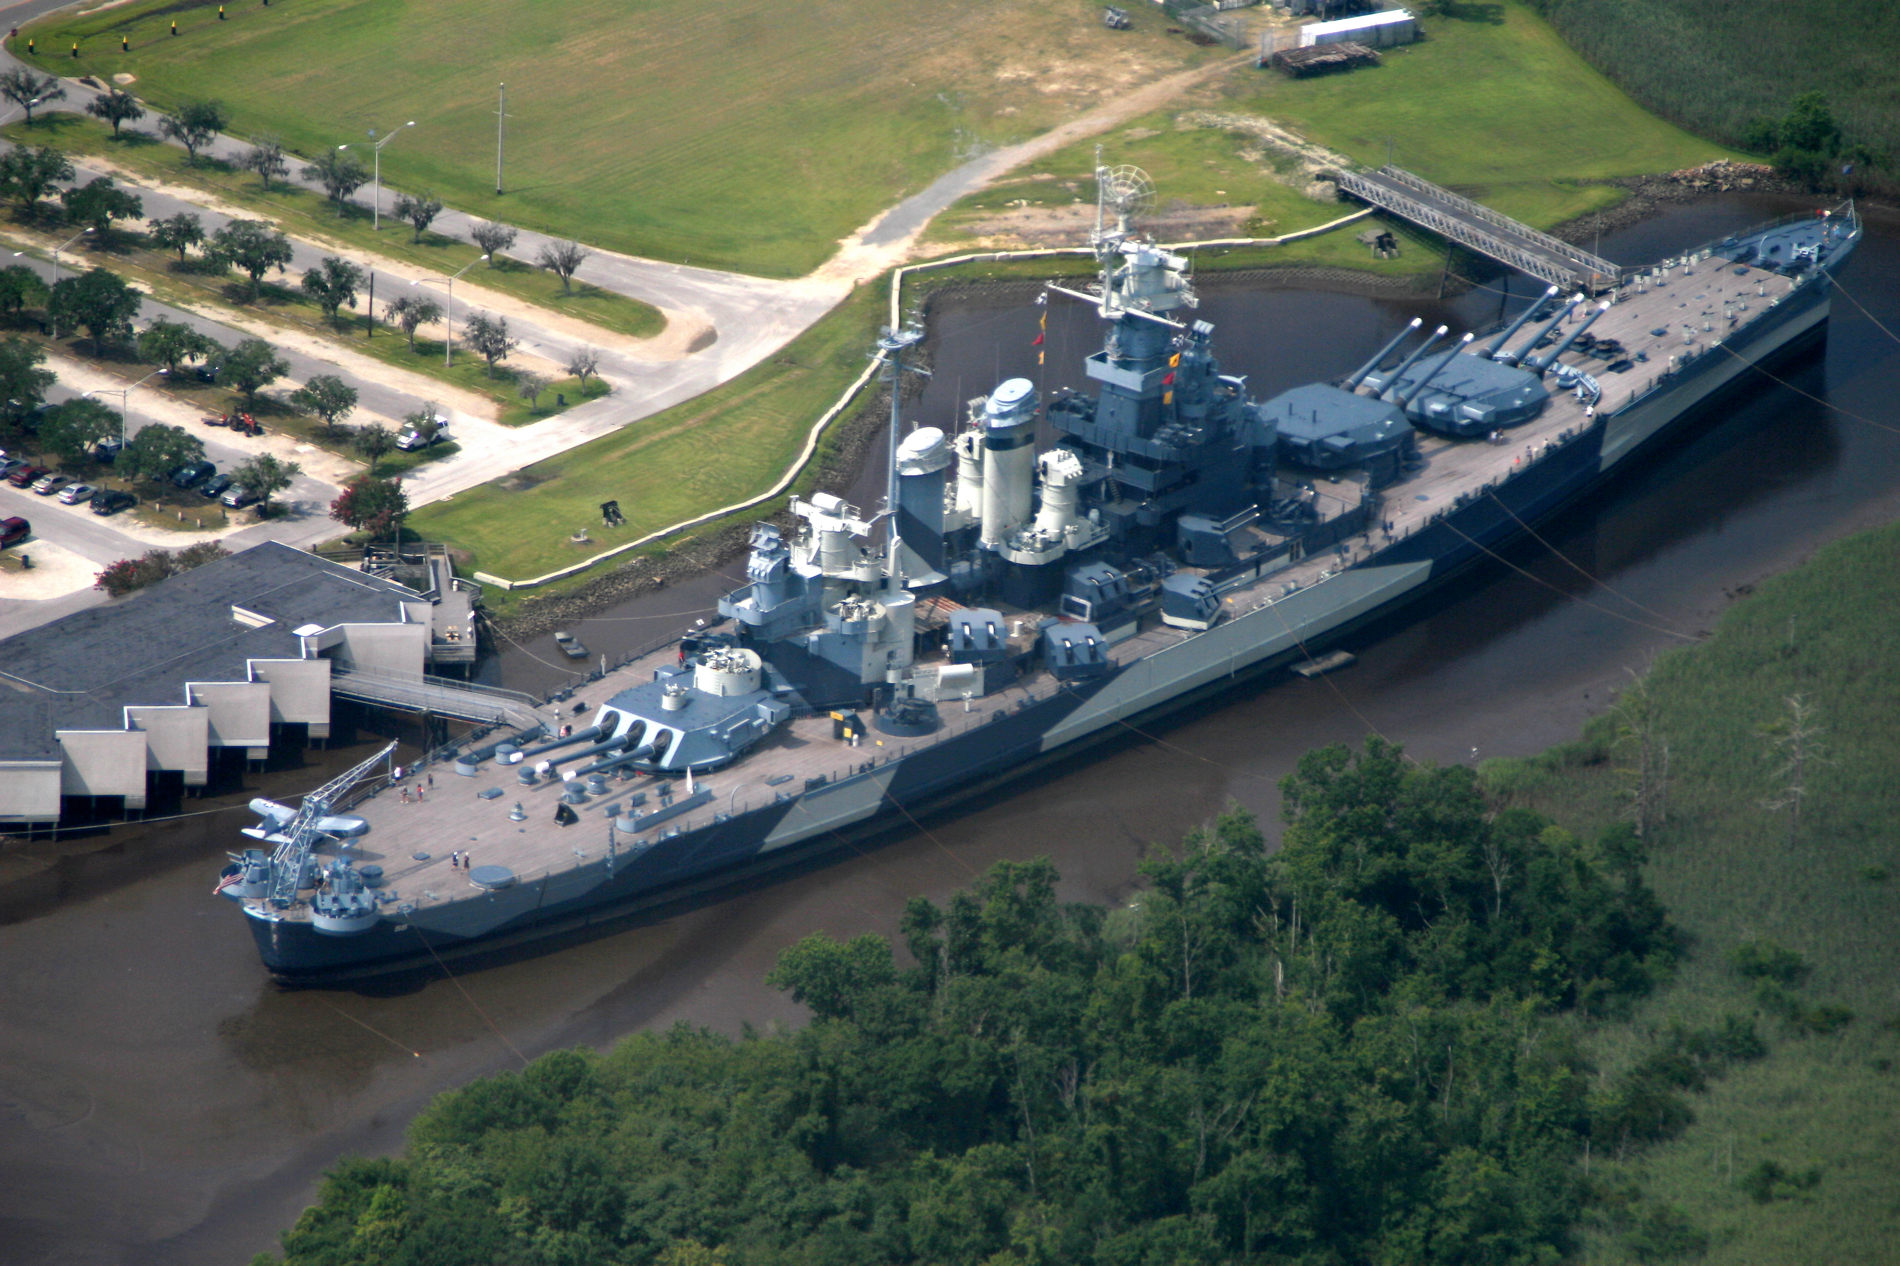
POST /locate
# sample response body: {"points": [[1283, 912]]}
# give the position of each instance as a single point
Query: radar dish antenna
{"points": [[1125, 190]]}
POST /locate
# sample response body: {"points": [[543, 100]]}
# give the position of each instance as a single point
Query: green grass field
{"points": [[1729, 872], [750, 136], [714, 450], [1498, 108], [308, 215]]}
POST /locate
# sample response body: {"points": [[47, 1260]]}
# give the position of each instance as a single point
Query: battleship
{"points": [[1008, 603]]}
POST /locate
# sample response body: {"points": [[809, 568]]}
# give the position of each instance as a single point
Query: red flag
{"points": [[1037, 342], [1169, 380]]}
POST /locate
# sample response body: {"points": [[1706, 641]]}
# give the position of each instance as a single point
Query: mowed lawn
{"points": [[1496, 106], [720, 448], [748, 135]]}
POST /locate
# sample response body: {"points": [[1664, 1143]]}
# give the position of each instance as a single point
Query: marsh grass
{"points": [[1732, 871]]}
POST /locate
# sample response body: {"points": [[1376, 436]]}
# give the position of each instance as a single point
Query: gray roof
{"points": [[83, 670]]}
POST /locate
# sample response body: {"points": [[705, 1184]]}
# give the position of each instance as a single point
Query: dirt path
{"points": [[892, 238]]}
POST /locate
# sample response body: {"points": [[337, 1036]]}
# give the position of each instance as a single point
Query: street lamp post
{"points": [[448, 344], [56, 250], [376, 201], [122, 393]]}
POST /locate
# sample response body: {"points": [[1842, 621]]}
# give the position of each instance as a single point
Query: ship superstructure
{"points": [[1007, 603]]}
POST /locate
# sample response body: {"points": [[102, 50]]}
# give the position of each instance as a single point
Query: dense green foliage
{"points": [[1795, 927], [1355, 1049], [1718, 66]]}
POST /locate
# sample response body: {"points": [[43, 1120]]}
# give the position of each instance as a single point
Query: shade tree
{"points": [[157, 450], [332, 284], [489, 338], [169, 343], [563, 259], [420, 210], [341, 173], [492, 237], [411, 312], [28, 90], [99, 202], [97, 300], [265, 475], [116, 107], [195, 125], [178, 233], [252, 247], [327, 396], [252, 366]]}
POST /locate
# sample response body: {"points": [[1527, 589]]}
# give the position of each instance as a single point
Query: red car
{"points": [[26, 475], [13, 531]]}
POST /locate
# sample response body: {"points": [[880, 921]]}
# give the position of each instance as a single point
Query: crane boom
{"points": [[301, 834]]}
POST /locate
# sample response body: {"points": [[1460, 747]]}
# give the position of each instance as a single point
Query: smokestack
{"points": [[1491, 352], [1352, 383], [1392, 379]]}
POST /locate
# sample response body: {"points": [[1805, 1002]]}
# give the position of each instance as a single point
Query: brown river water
{"points": [[162, 1102]]}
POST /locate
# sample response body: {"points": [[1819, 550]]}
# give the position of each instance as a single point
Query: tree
{"points": [[252, 247], [177, 233], [419, 211], [493, 238], [584, 364], [341, 174], [116, 108], [1796, 742], [99, 202], [19, 286], [489, 337], [411, 311], [23, 381], [423, 421], [157, 450], [267, 159], [327, 396], [370, 504], [374, 442], [100, 301], [563, 259], [195, 125], [332, 284], [28, 175], [252, 366], [530, 385], [129, 574], [167, 342], [25, 89], [71, 429], [266, 475]]}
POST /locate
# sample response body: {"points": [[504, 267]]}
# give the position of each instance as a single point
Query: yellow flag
{"points": [[1174, 361], [1167, 397], [1039, 358]]}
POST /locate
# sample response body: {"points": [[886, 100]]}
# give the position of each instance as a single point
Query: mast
{"points": [[891, 348]]}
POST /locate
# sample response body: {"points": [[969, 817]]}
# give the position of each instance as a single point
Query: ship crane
{"points": [[302, 832]]}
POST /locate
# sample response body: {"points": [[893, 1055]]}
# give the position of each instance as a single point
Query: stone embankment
{"points": [[1650, 194]]}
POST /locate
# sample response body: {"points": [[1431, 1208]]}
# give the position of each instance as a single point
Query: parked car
{"points": [[13, 531], [238, 496], [196, 473], [76, 493], [108, 449], [24, 476], [214, 487], [10, 464], [112, 502], [48, 484], [411, 439], [570, 646], [207, 372]]}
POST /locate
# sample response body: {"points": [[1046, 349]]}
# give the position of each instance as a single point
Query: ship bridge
{"points": [[1482, 229]]}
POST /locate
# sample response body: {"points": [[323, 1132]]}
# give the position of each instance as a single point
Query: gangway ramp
{"points": [[462, 700], [1483, 230]]}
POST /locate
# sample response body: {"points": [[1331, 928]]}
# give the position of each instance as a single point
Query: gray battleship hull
{"points": [[611, 888]]}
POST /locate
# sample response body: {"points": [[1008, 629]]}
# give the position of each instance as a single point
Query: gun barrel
{"points": [[1492, 351], [1443, 361], [579, 736], [640, 753], [1392, 380], [1543, 363], [1513, 358], [1353, 381]]}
